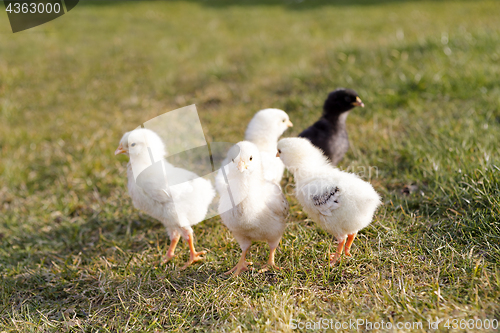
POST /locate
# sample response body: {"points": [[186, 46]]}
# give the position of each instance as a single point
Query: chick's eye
{"points": [[279, 151], [250, 158], [132, 145], [233, 160], [284, 120]]}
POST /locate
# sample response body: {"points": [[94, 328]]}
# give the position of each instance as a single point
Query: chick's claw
{"points": [[334, 258], [240, 267], [267, 267], [168, 257], [197, 256], [270, 262], [194, 257]]}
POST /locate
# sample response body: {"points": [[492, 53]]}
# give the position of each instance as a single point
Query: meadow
{"points": [[76, 256]]}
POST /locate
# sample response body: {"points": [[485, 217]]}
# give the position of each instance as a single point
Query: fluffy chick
{"points": [[176, 197], [264, 130], [254, 209], [329, 133], [340, 202]]}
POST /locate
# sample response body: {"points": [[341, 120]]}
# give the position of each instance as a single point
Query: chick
{"points": [[340, 202], [264, 130], [176, 197], [253, 209], [329, 132]]}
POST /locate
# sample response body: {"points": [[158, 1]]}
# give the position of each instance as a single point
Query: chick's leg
{"points": [[335, 257], [174, 239], [242, 265], [270, 262], [350, 239], [193, 255]]}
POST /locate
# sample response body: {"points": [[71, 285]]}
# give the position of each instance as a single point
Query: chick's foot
{"points": [[194, 257], [240, 267]]}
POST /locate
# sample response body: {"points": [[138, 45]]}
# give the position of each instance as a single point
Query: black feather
{"points": [[329, 133], [323, 198]]}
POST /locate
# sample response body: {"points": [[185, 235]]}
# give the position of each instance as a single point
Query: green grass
{"points": [[76, 256]]}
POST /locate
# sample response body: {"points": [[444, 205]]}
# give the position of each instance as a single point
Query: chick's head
{"points": [[123, 145], [341, 100], [140, 142], [248, 158], [272, 122]]}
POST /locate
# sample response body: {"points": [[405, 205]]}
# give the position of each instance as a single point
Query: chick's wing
{"points": [[322, 195]]}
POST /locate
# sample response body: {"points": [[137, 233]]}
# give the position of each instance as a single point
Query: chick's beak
{"points": [[289, 123], [358, 102], [277, 154], [120, 150], [242, 166]]}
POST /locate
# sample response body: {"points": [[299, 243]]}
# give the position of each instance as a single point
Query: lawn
{"points": [[76, 256]]}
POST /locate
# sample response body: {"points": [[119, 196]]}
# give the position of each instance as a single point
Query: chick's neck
{"points": [[336, 119]]}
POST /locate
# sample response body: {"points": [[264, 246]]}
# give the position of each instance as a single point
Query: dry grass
{"points": [[76, 256]]}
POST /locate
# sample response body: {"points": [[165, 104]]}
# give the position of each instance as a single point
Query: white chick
{"points": [[176, 197], [264, 130], [254, 209], [339, 201]]}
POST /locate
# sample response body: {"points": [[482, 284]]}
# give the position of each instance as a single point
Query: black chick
{"points": [[329, 132]]}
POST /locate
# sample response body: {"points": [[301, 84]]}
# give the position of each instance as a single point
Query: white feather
{"points": [[264, 130], [340, 202], [257, 209], [176, 197]]}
